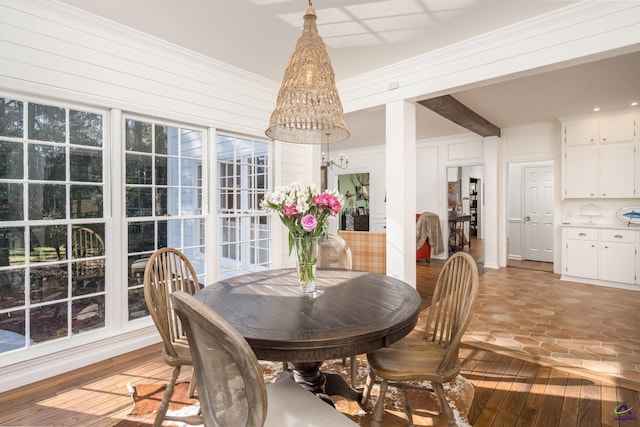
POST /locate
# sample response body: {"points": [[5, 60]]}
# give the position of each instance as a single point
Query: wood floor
{"points": [[508, 391]]}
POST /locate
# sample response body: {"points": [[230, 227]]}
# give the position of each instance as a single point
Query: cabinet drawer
{"points": [[582, 233], [620, 236]]}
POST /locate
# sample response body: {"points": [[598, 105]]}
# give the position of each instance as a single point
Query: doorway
{"points": [[530, 213]]}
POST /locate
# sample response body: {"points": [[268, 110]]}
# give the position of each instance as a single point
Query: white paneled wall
{"points": [[54, 50]]}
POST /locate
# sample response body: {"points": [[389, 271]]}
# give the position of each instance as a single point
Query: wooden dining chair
{"points": [[230, 381], [168, 270], [434, 355], [336, 253]]}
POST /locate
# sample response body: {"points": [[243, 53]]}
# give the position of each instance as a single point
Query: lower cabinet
{"points": [[618, 256], [609, 255], [581, 252]]}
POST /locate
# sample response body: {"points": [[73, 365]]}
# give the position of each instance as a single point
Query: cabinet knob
{"points": [[618, 236], [606, 247], [582, 234], [604, 139], [604, 194]]}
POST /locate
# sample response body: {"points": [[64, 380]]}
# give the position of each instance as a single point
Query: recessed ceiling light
{"points": [[634, 103], [596, 109]]}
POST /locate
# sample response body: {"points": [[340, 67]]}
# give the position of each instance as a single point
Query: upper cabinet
{"points": [[600, 157], [614, 128]]}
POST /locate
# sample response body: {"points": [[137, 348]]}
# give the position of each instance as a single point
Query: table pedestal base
{"points": [[308, 375]]}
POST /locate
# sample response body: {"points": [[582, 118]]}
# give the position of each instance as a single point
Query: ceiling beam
{"points": [[450, 108]]}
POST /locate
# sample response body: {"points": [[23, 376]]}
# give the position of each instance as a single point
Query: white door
{"points": [[538, 213]]}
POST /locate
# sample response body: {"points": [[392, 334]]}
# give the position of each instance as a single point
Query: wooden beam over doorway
{"points": [[450, 108]]}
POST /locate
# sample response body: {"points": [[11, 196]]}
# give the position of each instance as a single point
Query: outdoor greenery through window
{"points": [[164, 199], [244, 229], [52, 228]]}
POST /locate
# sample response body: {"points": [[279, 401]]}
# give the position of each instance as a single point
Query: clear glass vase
{"points": [[306, 251]]}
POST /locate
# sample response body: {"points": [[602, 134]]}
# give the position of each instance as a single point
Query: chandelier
{"points": [[344, 161], [308, 109]]}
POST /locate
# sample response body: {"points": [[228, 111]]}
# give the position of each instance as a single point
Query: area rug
{"points": [[425, 406]]}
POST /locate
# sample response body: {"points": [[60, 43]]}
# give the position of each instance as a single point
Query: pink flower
{"points": [[289, 210], [308, 223], [329, 201]]}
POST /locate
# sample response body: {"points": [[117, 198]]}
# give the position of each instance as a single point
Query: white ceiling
{"points": [[361, 35]]}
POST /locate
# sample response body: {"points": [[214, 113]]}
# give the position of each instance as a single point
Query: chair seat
{"points": [[183, 357], [290, 405], [411, 358]]}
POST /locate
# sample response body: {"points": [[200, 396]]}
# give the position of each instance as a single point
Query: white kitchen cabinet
{"points": [[617, 170], [581, 252], [602, 255], [581, 132], [580, 177], [617, 128], [618, 256], [600, 158]]}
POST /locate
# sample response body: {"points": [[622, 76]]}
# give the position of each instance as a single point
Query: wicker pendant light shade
{"points": [[308, 109]]}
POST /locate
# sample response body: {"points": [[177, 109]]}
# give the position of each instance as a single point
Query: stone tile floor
{"points": [[588, 330]]}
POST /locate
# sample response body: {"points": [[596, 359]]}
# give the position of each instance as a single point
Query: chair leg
{"points": [[444, 405], [166, 398], [368, 385], [408, 410], [192, 385], [379, 408], [353, 371]]}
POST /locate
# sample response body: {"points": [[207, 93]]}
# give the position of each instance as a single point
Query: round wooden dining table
{"points": [[356, 312]]}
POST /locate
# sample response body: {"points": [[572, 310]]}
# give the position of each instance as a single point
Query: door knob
{"points": [[527, 218]]}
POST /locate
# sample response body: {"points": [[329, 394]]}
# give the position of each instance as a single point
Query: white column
{"points": [[401, 190], [494, 221]]}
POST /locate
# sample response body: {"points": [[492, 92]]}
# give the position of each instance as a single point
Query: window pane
{"points": [[47, 201], [189, 171], [11, 118], [48, 243], [86, 165], [47, 123], [88, 314], [190, 201], [137, 304], [138, 136], [87, 241], [167, 201], [13, 326], [87, 277], [12, 286], [141, 237], [47, 162], [48, 283], [85, 128], [139, 169], [11, 160], [191, 143], [139, 202], [191, 232], [161, 139], [49, 322], [86, 201], [161, 170], [11, 202], [12, 246]]}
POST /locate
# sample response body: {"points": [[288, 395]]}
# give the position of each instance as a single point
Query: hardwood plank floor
{"points": [[508, 391]]}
